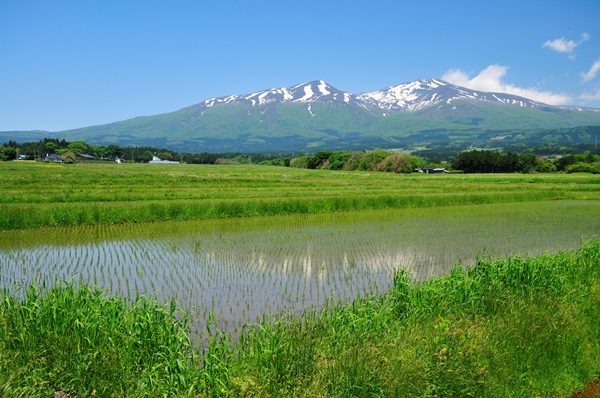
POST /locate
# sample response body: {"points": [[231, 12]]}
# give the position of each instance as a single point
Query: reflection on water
{"points": [[242, 269]]}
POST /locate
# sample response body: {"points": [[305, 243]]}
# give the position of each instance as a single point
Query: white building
{"points": [[156, 159]]}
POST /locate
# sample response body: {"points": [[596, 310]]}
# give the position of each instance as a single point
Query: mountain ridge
{"points": [[409, 96], [316, 115]]}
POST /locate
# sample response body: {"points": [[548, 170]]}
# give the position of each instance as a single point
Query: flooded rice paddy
{"points": [[242, 269]]}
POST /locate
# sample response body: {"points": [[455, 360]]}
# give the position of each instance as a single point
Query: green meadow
{"points": [[254, 281], [39, 195]]}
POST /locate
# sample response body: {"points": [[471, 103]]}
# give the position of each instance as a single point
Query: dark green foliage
{"points": [[493, 162], [579, 163], [316, 161], [584, 167], [371, 160], [565, 161], [8, 153], [353, 161], [145, 157], [338, 160], [300, 162]]}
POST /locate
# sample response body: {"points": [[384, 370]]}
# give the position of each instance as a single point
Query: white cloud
{"points": [[592, 72], [490, 80], [590, 97], [563, 45]]}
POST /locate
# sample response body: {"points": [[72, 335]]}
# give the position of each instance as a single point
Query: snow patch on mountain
{"points": [[323, 88], [308, 93], [422, 94], [287, 96], [406, 97]]}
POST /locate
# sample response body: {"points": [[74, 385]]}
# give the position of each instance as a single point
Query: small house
{"points": [[52, 157], [84, 156], [156, 159], [432, 170]]}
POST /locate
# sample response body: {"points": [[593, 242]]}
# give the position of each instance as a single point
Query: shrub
{"points": [[353, 161], [396, 163], [300, 162], [581, 167], [371, 160]]}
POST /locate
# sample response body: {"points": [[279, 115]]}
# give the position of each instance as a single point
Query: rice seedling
{"points": [[137, 195], [242, 269]]}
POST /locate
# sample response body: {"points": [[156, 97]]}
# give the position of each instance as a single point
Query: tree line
{"points": [[377, 160], [493, 162], [69, 150], [471, 161]]}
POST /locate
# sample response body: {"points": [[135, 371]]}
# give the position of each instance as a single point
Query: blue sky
{"points": [[70, 64]]}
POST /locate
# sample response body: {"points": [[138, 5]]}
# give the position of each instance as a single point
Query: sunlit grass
{"points": [[334, 268], [506, 327], [35, 195], [79, 341]]}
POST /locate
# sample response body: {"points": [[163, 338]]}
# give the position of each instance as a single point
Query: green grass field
{"points": [[37, 195], [513, 327]]}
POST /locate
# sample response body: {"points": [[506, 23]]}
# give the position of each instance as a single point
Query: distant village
{"points": [[467, 161], [53, 157]]}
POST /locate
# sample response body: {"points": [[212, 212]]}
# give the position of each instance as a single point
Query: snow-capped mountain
{"points": [[421, 94], [315, 91], [314, 115], [408, 97]]}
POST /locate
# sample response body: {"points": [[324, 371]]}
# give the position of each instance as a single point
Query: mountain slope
{"points": [[314, 115]]}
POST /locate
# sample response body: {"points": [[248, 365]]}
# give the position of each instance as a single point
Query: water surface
{"points": [[241, 269]]}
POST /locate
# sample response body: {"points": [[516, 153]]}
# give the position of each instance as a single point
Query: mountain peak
{"points": [[312, 91], [314, 115], [424, 93], [408, 97]]}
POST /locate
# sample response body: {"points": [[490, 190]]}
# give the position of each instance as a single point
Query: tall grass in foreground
{"points": [[506, 327], [83, 343]]}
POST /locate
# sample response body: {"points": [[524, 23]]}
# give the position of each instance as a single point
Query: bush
{"points": [[584, 168], [371, 160], [338, 160], [300, 162], [318, 159], [398, 163], [226, 161], [353, 161]]}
